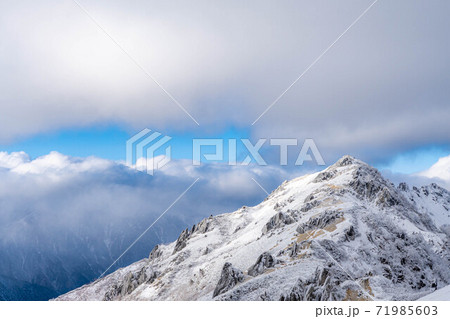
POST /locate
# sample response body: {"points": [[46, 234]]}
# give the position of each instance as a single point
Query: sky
{"points": [[82, 78]]}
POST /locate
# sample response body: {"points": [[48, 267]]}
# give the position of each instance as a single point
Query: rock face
{"points": [[130, 283], [277, 221], [325, 285], [155, 253], [201, 228], [182, 240], [321, 221], [264, 262], [345, 233], [229, 278]]}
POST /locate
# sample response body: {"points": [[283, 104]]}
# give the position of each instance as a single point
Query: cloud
{"points": [[438, 173], [380, 90], [70, 218], [441, 169]]}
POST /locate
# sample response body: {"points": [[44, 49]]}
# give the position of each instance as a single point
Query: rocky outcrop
{"points": [[204, 226], [345, 161], [155, 253], [319, 222], [277, 221], [130, 282], [263, 262], [403, 187], [182, 240], [386, 199], [325, 176], [328, 284], [293, 250], [229, 278], [367, 182], [310, 205]]}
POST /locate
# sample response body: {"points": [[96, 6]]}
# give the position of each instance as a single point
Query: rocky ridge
{"points": [[345, 233]]}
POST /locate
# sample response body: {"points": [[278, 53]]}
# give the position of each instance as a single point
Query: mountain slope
{"points": [[344, 233], [442, 294]]}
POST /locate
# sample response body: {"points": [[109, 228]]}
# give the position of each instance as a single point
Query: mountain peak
{"points": [[345, 160], [294, 245]]}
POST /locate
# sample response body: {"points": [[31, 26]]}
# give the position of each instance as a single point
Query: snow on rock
{"points": [[326, 285], [345, 233], [229, 278], [264, 262]]}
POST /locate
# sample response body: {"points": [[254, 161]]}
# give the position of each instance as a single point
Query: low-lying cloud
{"points": [[70, 218]]}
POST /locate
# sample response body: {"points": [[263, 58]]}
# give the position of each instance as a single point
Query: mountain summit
{"points": [[345, 233]]}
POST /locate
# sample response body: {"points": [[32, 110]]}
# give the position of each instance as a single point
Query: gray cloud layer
{"points": [[381, 89]]}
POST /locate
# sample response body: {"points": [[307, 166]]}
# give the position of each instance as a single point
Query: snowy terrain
{"points": [[345, 233], [442, 294]]}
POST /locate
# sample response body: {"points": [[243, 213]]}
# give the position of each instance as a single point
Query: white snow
{"points": [[442, 294]]}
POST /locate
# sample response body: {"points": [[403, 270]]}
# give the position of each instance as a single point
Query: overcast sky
{"points": [[379, 92]]}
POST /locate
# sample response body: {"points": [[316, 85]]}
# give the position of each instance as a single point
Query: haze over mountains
{"points": [[64, 220]]}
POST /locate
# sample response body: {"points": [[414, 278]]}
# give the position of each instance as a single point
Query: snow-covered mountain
{"points": [[345, 233]]}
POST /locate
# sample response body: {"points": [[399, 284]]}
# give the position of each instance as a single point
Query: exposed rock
{"points": [[207, 250], [181, 241], [130, 282], [294, 249], [229, 278], [263, 262], [350, 234], [201, 228], [345, 161], [277, 221], [403, 187], [155, 253], [204, 226], [325, 176], [386, 199], [310, 205], [367, 188], [326, 285], [320, 222]]}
